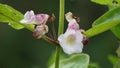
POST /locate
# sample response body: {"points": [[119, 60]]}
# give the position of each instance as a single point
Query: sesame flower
{"points": [[71, 40]]}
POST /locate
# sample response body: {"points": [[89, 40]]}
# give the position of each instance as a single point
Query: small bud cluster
{"points": [[39, 20]]}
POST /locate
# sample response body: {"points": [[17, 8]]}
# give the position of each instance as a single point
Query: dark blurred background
{"points": [[19, 49]]}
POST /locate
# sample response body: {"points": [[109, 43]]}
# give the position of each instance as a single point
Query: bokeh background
{"points": [[19, 49]]}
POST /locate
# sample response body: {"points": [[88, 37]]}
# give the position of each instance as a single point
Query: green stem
{"points": [[57, 56], [60, 30], [61, 17]]}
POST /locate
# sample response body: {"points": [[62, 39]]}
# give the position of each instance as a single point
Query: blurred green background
{"points": [[19, 49]]}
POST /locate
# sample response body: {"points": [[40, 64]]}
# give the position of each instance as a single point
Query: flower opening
{"points": [[71, 40]]}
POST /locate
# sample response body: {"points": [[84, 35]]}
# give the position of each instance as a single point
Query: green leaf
{"points": [[105, 22], [15, 25], [117, 65], [118, 51], [113, 59], [10, 22], [107, 2], [74, 61], [10, 12], [116, 31], [102, 2], [93, 65], [111, 4], [13, 17], [4, 19]]}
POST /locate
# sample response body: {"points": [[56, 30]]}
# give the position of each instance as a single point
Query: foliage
{"points": [[12, 17], [113, 59], [112, 4], [93, 65], [105, 22], [73, 61]]}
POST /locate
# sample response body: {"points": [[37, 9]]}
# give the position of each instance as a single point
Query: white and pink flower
{"points": [[39, 20], [71, 40], [31, 18]]}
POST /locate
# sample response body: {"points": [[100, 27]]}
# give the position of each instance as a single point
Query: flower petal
{"points": [[69, 16], [29, 17], [74, 45], [41, 19]]}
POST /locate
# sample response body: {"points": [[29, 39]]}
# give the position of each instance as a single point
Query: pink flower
{"points": [[39, 20], [31, 18], [71, 40]]}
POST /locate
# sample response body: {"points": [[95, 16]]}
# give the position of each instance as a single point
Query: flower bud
{"points": [[40, 31], [51, 18], [41, 19], [85, 40]]}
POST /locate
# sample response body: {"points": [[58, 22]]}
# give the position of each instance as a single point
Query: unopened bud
{"points": [[85, 40], [51, 18], [40, 31], [41, 19]]}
